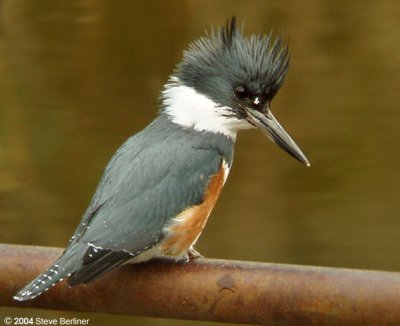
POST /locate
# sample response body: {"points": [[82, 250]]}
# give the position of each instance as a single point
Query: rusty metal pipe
{"points": [[218, 290]]}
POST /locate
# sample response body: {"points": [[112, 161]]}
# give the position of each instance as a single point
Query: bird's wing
{"points": [[142, 187]]}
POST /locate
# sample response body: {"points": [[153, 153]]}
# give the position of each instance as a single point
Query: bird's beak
{"points": [[269, 126]]}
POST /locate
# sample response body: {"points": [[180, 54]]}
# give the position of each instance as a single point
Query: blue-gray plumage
{"points": [[159, 188], [149, 180]]}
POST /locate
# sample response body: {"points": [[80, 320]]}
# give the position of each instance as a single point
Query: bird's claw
{"points": [[191, 254], [194, 254]]}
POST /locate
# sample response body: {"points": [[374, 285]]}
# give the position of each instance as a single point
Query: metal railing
{"points": [[217, 290]]}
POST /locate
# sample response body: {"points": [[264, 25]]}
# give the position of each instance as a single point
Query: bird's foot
{"points": [[194, 254], [191, 254]]}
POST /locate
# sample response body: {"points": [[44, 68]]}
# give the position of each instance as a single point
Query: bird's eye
{"points": [[242, 92]]}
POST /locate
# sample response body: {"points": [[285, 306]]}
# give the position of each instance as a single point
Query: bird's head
{"points": [[226, 82]]}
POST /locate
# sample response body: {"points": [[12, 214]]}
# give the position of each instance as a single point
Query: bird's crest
{"points": [[226, 56], [228, 33]]}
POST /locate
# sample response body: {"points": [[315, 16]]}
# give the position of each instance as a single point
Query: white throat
{"points": [[191, 109]]}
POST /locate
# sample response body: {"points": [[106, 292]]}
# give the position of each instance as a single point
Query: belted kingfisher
{"points": [[160, 186]]}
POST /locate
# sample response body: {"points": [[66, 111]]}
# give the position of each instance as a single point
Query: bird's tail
{"points": [[62, 268], [43, 282]]}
